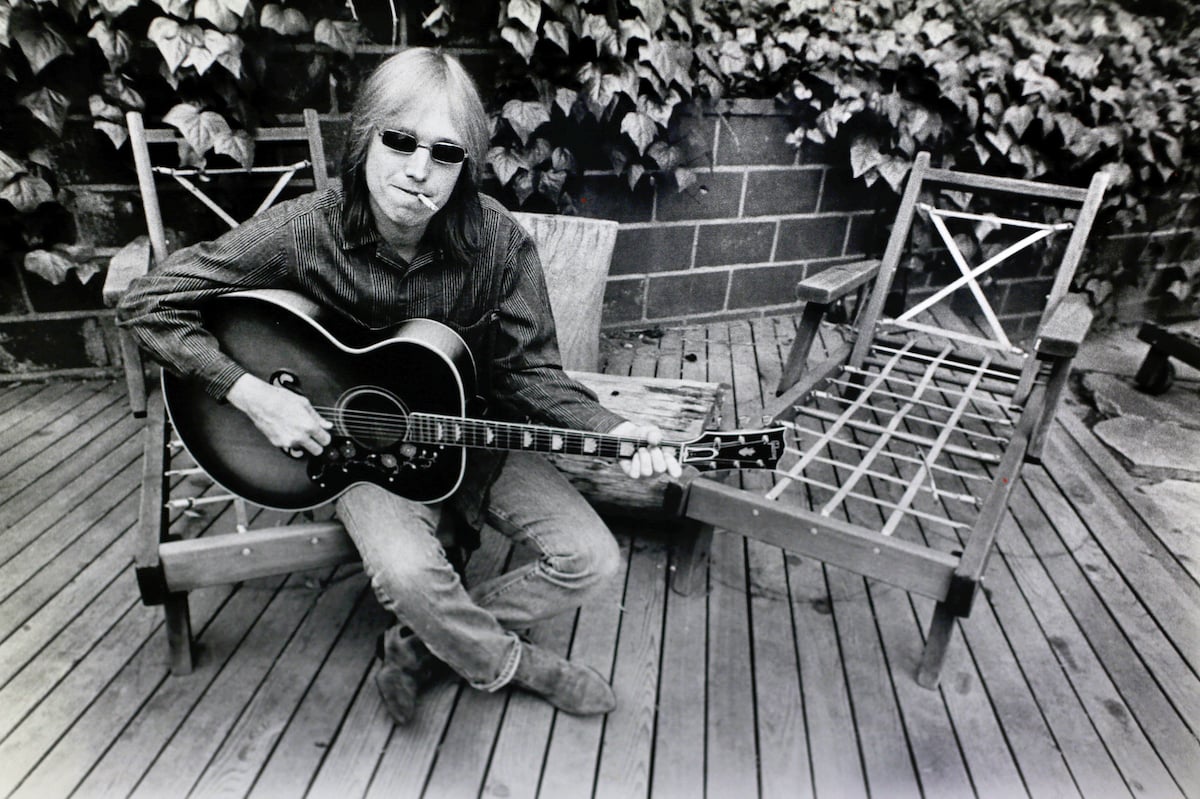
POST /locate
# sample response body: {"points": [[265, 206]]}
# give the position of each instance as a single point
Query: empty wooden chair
{"points": [[910, 431]]}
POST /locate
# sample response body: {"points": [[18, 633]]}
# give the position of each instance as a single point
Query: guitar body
{"points": [[353, 380]]}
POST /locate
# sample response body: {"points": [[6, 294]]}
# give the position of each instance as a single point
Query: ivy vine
{"points": [[1050, 89]]}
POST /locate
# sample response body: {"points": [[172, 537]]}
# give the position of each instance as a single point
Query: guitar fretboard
{"points": [[456, 431]]}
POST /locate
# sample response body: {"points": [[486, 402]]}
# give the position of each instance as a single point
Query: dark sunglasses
{"points": [[443, 152]]}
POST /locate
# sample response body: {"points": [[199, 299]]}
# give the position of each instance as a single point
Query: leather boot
{"points": [[408, 669], [572, 688]]}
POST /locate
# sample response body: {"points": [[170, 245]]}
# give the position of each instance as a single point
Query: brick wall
{"points": [[761, 216]]}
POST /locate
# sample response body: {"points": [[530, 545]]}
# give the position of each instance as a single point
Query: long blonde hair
{"points": [[405, 82]]}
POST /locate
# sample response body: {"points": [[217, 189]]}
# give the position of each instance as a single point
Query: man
{"points": [[409, 235]]}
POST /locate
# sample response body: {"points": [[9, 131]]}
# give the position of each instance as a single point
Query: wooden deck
{"points": [[1076, 675]]}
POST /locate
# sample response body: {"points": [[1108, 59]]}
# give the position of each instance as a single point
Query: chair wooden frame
{"points": [[176, 553], [945, 427]]}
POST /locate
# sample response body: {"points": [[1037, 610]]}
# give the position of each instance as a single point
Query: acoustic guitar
{"points": [[397, 400]]}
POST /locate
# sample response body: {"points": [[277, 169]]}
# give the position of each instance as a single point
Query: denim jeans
{"points": [[472, 631]]}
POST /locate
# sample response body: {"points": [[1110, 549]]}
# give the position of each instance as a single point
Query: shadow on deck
{"points": [[1076, 675]]}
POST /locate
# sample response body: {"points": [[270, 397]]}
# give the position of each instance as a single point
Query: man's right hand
{"points": [[287, 419]]}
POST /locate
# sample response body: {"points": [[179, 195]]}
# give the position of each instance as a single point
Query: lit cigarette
{"points": [[428, 203]]}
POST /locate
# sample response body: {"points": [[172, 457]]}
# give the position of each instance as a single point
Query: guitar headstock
{"points": [[735, 449]]}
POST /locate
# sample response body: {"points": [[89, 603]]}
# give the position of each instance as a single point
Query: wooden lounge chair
{"points": [[185, 538], [910, 433]]}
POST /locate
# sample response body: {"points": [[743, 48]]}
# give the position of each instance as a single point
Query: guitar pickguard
{"points": [[345, 462]]}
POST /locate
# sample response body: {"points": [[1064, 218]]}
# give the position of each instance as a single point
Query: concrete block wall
{"points": [[761, 217]]}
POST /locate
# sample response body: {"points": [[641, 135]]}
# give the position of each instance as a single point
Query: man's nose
{"points": [[418, 164]]}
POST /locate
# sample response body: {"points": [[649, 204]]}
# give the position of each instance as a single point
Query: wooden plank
{"points": [[1171, 530], [234, 768], [574, 748], [1108, 712], [183, 760], [1159, 689], [412, 759], [679, 748], [47, 429], [783, 746], [318, 718], [520, 752], [1174, 603], [70, 481], [627, 752], [144, 707], [731, 760], [52, 398], [19, 399]]}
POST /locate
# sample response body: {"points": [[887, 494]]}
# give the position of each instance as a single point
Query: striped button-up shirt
{"points": [[299, 245]]}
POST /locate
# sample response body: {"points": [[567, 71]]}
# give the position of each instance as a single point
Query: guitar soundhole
{"points": [[372, 418]]}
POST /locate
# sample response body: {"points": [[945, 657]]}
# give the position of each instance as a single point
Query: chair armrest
{"points": [[1065, 328], [836, 281], [132, 261]]}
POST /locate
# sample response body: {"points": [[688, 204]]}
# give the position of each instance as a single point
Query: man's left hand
{"points": [[650, 459]]}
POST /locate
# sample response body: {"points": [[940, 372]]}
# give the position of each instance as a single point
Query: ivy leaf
{"points": [[525, 117], [522, 186], [1017, 118], [684, 178], [653, 11], [505, 163], [6, 13], [38, 40], [937, 31], [226, 49], [108, 119], [200, 129], [284, 21], [27, 192], [1001, 139], [640, 128], [51, 266], [599, 89], [563, 160], [225, 15], [339, 35], [565, 99], [664, 155], [238, 145], [48, 107], [118, 89], [166, 35], [115, 44], [522, 41], [634, 176], [731, 58], [596, 28], [864, 155], [1083, 64], [527, 12], [894, 171], [793, 39], [181, 9], [115, 8], [551, 183], [10, 168], [557, 33], [635, 28]]}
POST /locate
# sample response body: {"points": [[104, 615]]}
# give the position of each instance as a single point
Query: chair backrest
{"points": [[269, 169], [576, 254], [938, 204]]}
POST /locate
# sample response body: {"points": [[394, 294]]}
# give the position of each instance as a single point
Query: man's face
{"points": [[394, 178]]}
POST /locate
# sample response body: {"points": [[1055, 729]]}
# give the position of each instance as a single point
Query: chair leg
{"points": [[937, 643], [694, 540], [179, 633]]}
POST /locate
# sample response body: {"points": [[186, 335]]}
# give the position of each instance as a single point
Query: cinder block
{"points": [[752, 287], [734, 243], [672, 296], [747, 140], [816, 237], [716, 195], [655, 249], [623, 301], [782, 191]]}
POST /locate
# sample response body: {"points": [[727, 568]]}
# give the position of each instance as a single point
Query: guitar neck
{"points": [[428, 428]]}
